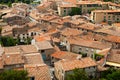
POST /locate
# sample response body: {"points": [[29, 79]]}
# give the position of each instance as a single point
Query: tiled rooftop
{"points": [[114, 56], [39, 71], [43, 45], [20, 49], [11, 59], [68, 65], [70, 32], [88, 43], [33, 58], [65, 55]]}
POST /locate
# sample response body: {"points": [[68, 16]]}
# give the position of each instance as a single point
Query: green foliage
{"points": [[97, 57], [102, 79], [10, 41], [75, 11], [9, 2], [109, 71], [114, 76], [83, 54], [78, 74], [28, 40], [7, 41], [14, 75], [109, 0]]}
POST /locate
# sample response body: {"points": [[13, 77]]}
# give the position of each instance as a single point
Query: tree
{"points": [[16, 1], [98, 57], [9, 2], [110, 74], [77, 74], [109, 0], [109, 71], [75, 11], [114, 76], [28, 40], [7, 41], [14, 75]]}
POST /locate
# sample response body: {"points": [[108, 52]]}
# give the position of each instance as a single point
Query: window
{"points": [[42, 51], [79, 52], [62, 71], [31, 33], [66, 42], [23, 37], [64, 10], [17, 65], [84, 55], [117, 19], [34, 33], [32, 78], [104, 18], [109, 17], [113, 17], [86, 49], [80, 48]]}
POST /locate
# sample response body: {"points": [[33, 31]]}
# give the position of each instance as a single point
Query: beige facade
{"points": [[61, 75], [87, 7], [113, 58], [87, 48], [45, 48], [109, 16], [61, 72], [64, 10]]}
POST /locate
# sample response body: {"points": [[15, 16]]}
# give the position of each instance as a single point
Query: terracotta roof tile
{"points": [[48, 17], [88, 43], [71, 1], [90, 2], [39, 71], [72, 64], [114, 56], [33, 58], [20, 49], [68, 5], [44, 45], [60, 21], [112, 38], [10, 59], [70, 32], [88, 26], [65, 55]]}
